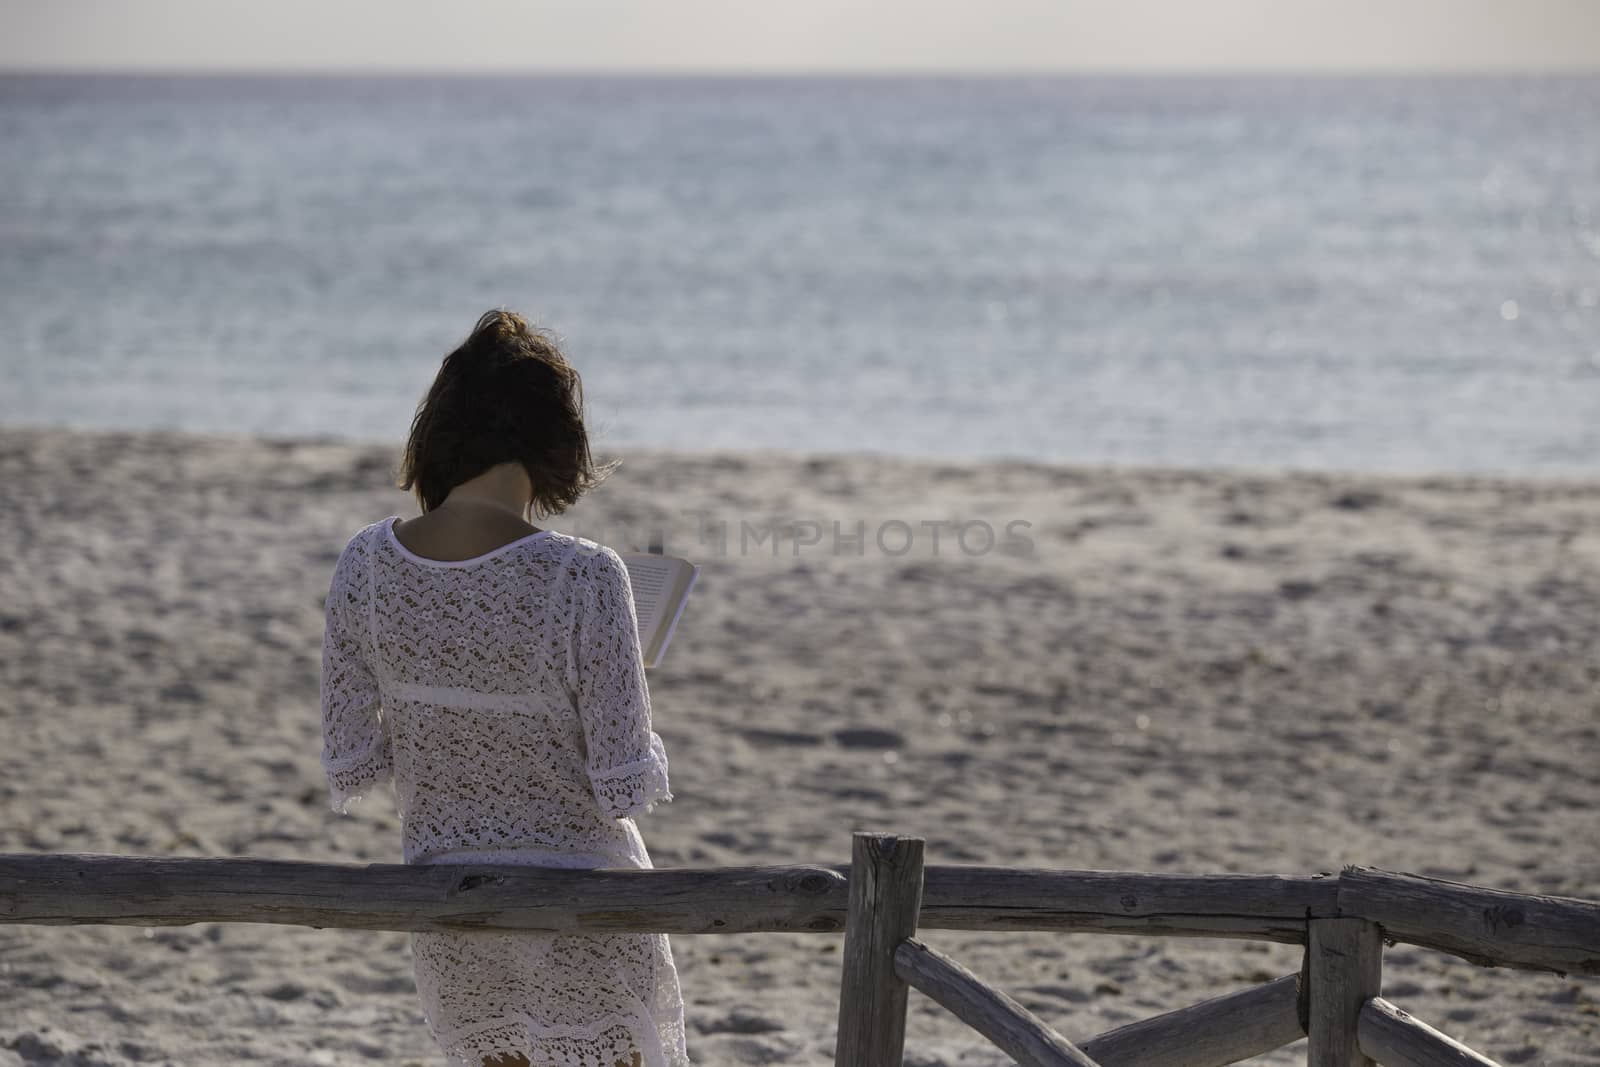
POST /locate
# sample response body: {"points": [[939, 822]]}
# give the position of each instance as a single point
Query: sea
{"points": [[1396, 274]]}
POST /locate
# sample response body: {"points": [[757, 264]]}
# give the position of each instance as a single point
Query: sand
{"points": [[1189, 671]]}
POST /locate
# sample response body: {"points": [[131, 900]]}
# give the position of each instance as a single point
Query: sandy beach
{"points": [[1175, 671]]}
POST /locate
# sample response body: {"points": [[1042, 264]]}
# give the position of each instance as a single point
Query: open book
{"points": [[661, 587]]}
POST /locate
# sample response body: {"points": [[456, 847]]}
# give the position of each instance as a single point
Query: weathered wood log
{"points": [[171, 891], [1397, 1039], [1222, 1030], [1255, 907], [885, 895], [1486, 926], [1345, 969], [164, 890], [1015, 1030]]}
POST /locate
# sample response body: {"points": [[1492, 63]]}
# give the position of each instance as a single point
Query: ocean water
{"points": [[1358, 274]]}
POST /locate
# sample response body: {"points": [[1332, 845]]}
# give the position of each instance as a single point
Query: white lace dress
{"points": [[503, 701]]}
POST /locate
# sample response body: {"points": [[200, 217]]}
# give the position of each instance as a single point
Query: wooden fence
{"points": [[880, 902]]}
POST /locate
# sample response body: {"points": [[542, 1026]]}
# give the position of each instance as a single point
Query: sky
{"points": [[802, 35]]}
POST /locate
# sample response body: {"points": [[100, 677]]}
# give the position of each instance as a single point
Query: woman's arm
{"points": [[627, 762], [356, 753]]}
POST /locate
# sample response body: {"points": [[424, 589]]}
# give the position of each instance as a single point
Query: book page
{"points": [[672, 607], [651, 578]]}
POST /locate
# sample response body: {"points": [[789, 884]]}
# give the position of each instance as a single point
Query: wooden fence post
{"points": [[885, 896], [1346, 970]]}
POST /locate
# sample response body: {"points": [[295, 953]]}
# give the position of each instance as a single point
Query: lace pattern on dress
{"points": [[503, 701], [633, 787], [604, 1044]]}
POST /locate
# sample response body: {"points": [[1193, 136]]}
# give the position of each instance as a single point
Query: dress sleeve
{"points": [[356, 752], [627, 762]]}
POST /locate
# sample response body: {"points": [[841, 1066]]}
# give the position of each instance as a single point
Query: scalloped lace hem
{"points": [[633, 788], [661, 1045], [343, 797]]}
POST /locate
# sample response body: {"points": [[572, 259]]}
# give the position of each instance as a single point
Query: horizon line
{"points": [[885, 73]]}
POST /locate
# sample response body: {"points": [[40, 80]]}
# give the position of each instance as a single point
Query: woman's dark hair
{"points": [[507, 394]]}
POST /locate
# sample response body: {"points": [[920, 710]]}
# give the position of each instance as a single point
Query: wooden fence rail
{"points": [[1485, 926], [1395, 1039], [1015, 1030], [1224, 1029], [1489, 927], [880, 901]]}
